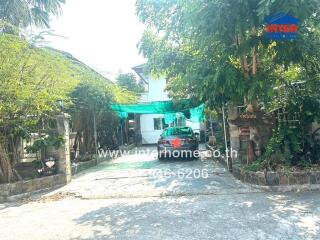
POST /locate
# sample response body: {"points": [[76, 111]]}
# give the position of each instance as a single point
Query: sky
{"points": [[101, 33]]}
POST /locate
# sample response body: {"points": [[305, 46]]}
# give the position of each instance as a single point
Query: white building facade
{"points": [[152, 125]]}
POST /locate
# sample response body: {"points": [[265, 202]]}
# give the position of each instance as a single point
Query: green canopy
{"points": [[168, 108], [169, 118], [154, 107], [122, 115], [197, 113]]}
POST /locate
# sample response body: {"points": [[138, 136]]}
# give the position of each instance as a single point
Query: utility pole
{"points": [[127, 130], [95, 132], [225, 137], [211, 126], [121, 132]]}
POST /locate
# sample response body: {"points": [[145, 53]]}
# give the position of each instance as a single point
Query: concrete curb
{"points": [[18, 197], [79, 167], [289, 188]]}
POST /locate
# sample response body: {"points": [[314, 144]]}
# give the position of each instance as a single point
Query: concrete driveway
{"points": [[139, 197]]}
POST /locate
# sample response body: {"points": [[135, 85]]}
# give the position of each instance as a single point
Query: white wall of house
{"points": [[156, 90], [149, 134], [150, 130], [196, 126]]}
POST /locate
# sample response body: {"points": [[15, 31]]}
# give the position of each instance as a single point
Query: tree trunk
{"points": [[249, 70], [6, 171], [254, 61], [245, 67]]}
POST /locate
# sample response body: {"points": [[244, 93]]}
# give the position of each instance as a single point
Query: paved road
{"points": [[140, 197]]}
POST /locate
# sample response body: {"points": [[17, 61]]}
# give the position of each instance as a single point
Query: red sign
{"points": [[176, 143], [281, 26]]}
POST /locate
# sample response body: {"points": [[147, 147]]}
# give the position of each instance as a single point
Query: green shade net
{"points": [[168, 108], [122, 115], [169, 118], [197, 113]]}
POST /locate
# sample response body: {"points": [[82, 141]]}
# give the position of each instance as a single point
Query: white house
{"points": [[152, 125]]}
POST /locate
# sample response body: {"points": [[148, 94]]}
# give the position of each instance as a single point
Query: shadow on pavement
{"points": [[256, 216]]}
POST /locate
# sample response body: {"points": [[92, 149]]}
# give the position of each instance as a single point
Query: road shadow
{"points": [[259, 216], [129, 221]]}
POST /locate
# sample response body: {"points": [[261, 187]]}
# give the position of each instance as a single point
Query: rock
{"points": [[272, 179]]}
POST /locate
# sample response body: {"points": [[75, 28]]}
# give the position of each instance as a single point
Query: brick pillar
{"points": [[63, 153]]}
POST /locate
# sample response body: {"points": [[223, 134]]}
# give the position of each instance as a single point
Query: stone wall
{"points": [[23, 188], [28, 186], [270, 178]]}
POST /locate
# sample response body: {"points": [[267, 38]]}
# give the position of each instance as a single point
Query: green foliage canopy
{"points": [[216, 50], [91, 99], [129, 81], [32, 79], [23, 13]]}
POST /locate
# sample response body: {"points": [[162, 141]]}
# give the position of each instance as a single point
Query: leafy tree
{"points": [[32, 80], [92, 98], [129, 81], [216, 51], [16, 84], [293, 143], [23, 13]]}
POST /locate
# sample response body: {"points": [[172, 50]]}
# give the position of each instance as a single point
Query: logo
{"points": [[281, 26]]}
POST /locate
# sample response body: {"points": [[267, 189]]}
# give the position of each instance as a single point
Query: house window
{"points": [[157, 123], [164, 125], [180, 122]]}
